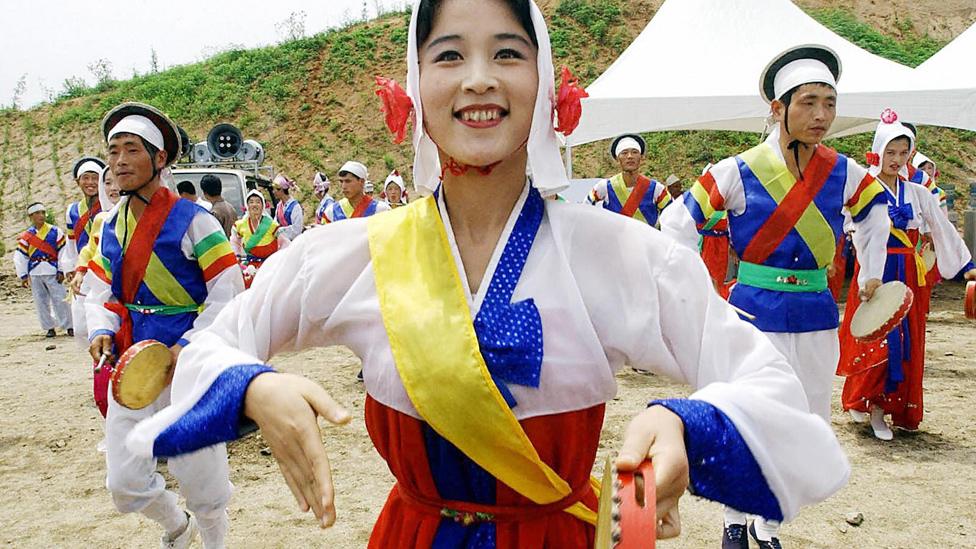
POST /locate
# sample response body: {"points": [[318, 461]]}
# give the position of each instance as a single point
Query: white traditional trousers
{"points": [[49, 295]]}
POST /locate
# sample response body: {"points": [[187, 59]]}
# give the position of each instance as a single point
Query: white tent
{"points": [[953, 65], [947, 82], [953, 68], [696, 66]]}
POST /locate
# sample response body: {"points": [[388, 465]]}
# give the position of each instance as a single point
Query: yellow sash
{"points": [[920, 268], [623, 193], [776, 178], [421, 296]]}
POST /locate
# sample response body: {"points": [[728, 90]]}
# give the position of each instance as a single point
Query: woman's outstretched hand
{"points": [[658, 434], [286, 407]]}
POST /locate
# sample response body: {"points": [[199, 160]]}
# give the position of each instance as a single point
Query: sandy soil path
{"points": [[917, 491]]}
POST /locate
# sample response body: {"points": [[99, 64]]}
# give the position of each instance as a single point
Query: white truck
{"points": [[236, 180]]}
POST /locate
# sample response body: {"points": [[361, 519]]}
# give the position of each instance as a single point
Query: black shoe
{"points": [[71, 332], [734, 537], [359, 376], [50, 333], [773, 542]]}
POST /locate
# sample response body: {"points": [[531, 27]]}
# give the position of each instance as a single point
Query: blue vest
{"points": [[165, 328], [787, 311]]}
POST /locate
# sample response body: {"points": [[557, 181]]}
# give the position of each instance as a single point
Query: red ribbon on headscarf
{"points": [[396, 105], [568, 107], [873, 159]]}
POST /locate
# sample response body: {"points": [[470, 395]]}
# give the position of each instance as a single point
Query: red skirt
{"points": [[411, 516], [866, 364]]}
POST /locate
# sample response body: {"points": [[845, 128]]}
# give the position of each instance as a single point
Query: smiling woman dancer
{"points": [[489, 334], [885, 377]]}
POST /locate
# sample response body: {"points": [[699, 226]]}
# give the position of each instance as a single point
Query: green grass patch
{"points": [[912, 49]]}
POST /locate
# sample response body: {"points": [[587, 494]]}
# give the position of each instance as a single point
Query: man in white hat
{"points": [[787, 198], [164, 270], [288, 212], [629, 192], [80, 215], [354, 202], [320, 186], [673, 183], [40, 263]]}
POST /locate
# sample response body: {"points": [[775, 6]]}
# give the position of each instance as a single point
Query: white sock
{"points": [[766, 529], [879, 424], [734, 517]]}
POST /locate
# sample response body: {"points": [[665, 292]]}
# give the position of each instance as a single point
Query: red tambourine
{"points": [[141, 374], [971, 300], [627, 516], [875, 318]]}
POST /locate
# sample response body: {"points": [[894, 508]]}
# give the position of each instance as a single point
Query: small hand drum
{"points": [[627, 516], [971, 300], [928, 257], [142, 372], [875, 318]]}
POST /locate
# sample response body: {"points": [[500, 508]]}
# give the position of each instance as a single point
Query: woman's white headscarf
{"points": [[888, 130], [257, 193], [920, 159], [103, 199], [544, 164]]}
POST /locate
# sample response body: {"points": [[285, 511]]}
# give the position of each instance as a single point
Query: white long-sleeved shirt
{"points": [[221, 289], [656, 312], [951, 251], [296, 220]]}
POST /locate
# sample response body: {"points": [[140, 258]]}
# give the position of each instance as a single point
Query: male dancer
{"points": [[80, 215], [40, 263], [785, 199], [354, 202], [629, 192], [164, 270]]}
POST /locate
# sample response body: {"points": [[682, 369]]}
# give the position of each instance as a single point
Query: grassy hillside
{"points": [[311, 103]]}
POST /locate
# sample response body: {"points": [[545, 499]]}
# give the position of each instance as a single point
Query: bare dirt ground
{"points": [[917, 491]]}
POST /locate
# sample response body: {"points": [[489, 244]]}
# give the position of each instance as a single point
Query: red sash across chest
{"points": [[636, 195], [361, 207], [136, 257], [82, 223], [784, 218], [41, 245]]}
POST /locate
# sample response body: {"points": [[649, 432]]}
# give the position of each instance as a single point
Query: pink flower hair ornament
{"points": [[889, 116], [396, 105]]}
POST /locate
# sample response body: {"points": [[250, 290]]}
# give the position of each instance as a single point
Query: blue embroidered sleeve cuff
{"points": [[723, 468], [216, 418], [97, 333], [183, 342]]}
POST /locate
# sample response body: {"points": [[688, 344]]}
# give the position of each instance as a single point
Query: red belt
{"points": [[901, 251], [467, 512]]}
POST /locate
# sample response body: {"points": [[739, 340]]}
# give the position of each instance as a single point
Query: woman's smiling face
{"points": [[478, 81]]}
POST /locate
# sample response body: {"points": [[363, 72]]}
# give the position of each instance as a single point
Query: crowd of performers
{"points": [[487, 328]]}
